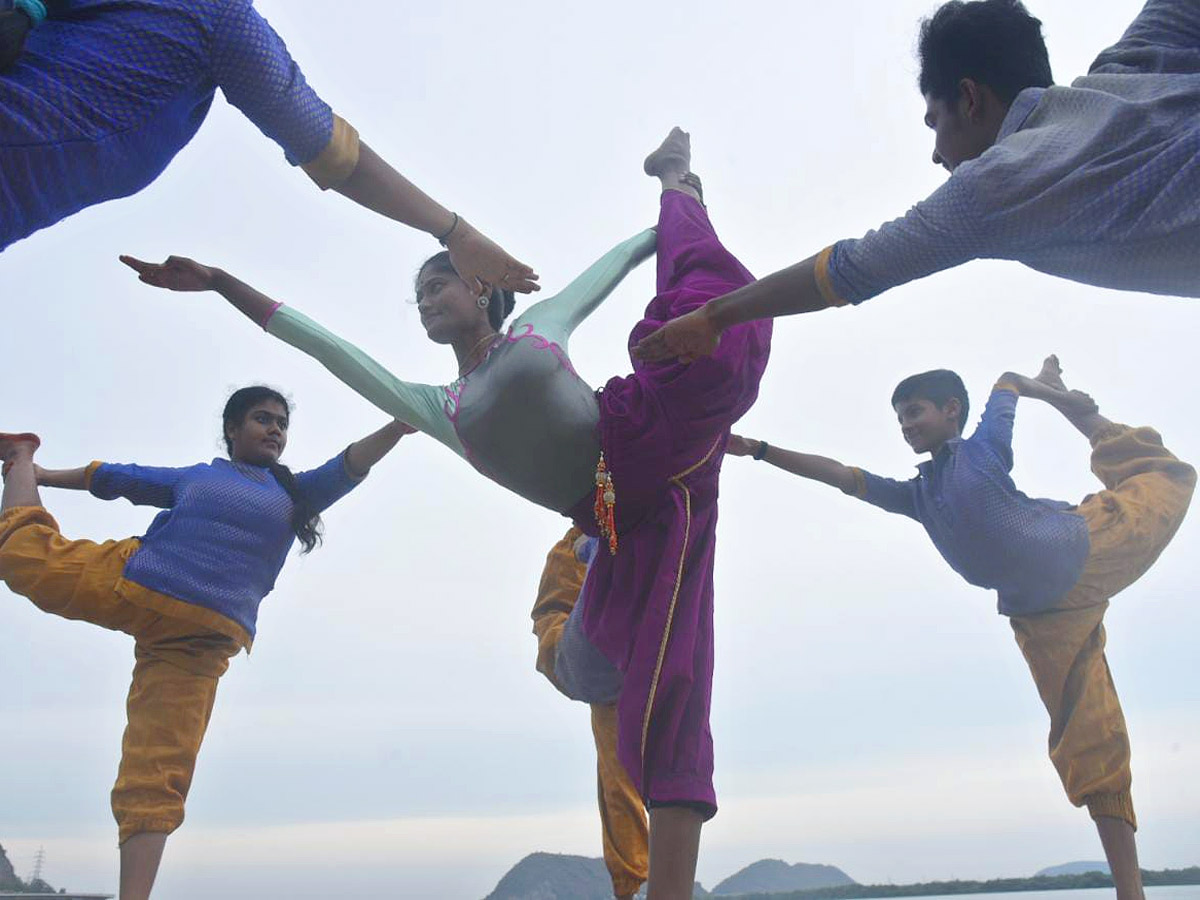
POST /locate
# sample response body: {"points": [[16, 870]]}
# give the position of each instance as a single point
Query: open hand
{"points": [[740, 446], [481, 262], [177, 273], [687, 338]]}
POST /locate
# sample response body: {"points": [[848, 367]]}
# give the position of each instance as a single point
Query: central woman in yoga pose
{"points": [[636, 463]]}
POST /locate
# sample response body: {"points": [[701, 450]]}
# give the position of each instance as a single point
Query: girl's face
{"points": [[447, 306], [261, 437]]}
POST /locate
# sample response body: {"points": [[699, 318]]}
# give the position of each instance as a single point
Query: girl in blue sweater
{"points": [[187, 591]]}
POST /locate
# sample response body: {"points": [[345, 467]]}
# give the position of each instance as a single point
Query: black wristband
{"points": [[763, 447], [441, 239]]}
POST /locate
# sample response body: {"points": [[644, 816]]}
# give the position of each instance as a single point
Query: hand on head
{"points": [[483, 264], [687, 339], [176, 273]]}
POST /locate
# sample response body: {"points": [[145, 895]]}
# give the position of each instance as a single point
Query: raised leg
{"points": [[671, 164], [1077, 407]]}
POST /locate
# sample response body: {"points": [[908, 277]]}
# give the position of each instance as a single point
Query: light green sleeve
{"points": [[419, 405], [556, 317]]}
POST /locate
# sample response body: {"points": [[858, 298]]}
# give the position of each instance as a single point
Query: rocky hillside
{"points": [[10, 882], [8, 878], [556, 876], [769, 876]]}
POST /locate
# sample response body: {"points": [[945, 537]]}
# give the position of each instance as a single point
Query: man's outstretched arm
{"points": [[796, 289]]}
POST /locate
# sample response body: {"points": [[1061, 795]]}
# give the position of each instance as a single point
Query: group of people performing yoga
{"points": [[1098, 182]]}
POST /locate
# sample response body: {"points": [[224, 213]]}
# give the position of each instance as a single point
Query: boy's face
{"points": [[927, 426]]}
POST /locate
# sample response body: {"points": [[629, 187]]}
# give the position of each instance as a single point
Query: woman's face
{"points": [[261, 437], [447, 306]]}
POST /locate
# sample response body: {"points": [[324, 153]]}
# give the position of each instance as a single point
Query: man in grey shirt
{"points": [[1097, 182]]}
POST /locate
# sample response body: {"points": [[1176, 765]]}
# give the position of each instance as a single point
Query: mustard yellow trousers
{"points": [[622, 812], [176, 662], [1147, 492]]}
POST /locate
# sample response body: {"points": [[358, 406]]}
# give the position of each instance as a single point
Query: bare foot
{"points": [[673, 156], [1051, 374], [14, 447]]}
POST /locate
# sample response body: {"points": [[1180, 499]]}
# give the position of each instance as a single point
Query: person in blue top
{"points": [[97, 97], [187, 591], [1053, 565], [1096, 182]]}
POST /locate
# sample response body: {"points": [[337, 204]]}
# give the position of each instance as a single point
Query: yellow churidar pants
{"points": [[1147, 492], [176, 662], [622, 812]]}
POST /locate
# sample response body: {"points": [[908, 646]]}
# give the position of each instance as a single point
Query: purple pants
{"points": [[649, 608]]}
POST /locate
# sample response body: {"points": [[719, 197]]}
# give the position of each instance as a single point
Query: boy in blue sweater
{"points": [[1053, 565]]}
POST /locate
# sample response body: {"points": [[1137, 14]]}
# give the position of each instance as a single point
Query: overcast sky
{"points": [[871, 710]]}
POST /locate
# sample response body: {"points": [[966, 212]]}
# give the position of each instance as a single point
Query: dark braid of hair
{"points": [[306, 523]]}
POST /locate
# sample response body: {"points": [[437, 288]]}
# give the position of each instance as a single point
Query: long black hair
{"points": [[500, 303], [306, 523]]}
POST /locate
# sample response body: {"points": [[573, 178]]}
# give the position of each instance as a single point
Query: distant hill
{"points": [[1075, 868], [557, 876], [8, 878], [554, 876], [10, 882], [769, 876]]}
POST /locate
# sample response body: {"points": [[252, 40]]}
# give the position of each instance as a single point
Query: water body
{"points": [[1170, 892]]}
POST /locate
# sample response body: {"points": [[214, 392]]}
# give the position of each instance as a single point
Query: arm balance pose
{"points": [[1054, 566], [188, 591], [106, 93], [1096, 182], [638, 460]]}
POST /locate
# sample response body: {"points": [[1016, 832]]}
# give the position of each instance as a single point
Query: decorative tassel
{"points": [[605, 506]]}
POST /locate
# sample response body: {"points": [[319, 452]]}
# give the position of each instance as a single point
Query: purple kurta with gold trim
{"points": [[663, 429]]}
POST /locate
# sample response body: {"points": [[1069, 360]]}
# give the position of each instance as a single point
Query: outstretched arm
{"points": [[788, 291], [886, 493], [364, 453], [419, 405], [68, 479], [818, 468], [942, 231], [556, 317], [257, 74], [376, 186]]}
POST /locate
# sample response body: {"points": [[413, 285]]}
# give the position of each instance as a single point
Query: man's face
{"points": [[957, 137]]}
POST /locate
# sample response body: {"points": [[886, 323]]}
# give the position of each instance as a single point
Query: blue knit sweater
{"points": [[224, 532]]}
